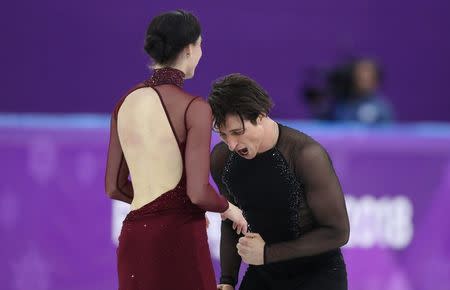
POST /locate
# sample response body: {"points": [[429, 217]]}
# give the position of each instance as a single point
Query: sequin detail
{"points": [[300, 216], [226, 175], [296, 196], [226, 180], [166, 75]]}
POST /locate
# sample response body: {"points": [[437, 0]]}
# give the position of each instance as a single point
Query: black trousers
{"points": [[329, 274]]}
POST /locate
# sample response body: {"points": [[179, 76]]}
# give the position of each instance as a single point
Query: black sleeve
{"points": [[326, 201], [230, 261]]}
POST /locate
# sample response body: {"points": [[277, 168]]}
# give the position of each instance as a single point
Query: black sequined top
{"points": [[291, 196]]}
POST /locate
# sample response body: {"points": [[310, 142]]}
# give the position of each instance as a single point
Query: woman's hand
{"points": [[234, 214]]}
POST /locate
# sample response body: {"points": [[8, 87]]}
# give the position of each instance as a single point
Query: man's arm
{"points": [[326, 201], [230, 261]]}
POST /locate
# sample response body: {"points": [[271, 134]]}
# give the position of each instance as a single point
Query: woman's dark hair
{"points": [[237, 94], [168, 33]]}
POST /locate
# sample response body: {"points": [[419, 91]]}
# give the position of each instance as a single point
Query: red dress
{"points": [[163, 245]]}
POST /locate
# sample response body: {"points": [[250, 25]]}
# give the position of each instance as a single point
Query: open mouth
{"points": [[243, 152]]}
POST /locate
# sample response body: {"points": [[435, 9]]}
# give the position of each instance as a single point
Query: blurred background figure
{"points": [[348, 92], [361, 99], [316, 94]]}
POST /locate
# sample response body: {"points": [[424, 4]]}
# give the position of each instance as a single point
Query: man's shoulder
{"points": [[220, 152], [302, 141], [220, 148], [294, 135], [219, 157]]}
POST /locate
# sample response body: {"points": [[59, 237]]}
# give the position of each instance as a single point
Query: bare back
{"points": [[158, 133], [149, 145]]}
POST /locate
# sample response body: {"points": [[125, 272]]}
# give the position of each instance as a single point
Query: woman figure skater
{"points": [[160, 138]]}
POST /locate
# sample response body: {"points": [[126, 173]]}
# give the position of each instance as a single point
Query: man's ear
{"points": [[260, 118]]}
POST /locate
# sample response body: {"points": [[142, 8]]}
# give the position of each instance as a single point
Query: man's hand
{"points": [[224, 287], [251, 249]]}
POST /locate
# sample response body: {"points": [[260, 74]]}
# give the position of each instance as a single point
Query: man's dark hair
{"points": [[236, 94]]}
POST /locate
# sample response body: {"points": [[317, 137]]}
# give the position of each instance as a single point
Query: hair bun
{"points": [[157, 47], [169, 33]]}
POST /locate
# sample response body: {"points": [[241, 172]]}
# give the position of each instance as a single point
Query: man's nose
{"points": [[232, 143]]}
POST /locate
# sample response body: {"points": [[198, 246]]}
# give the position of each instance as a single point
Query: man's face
{"points": [[243, 138]]}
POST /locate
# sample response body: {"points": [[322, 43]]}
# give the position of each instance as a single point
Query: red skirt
{"points": [[164, 249]]}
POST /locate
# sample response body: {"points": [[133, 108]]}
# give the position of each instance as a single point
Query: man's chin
{"points": [[249, 156]]}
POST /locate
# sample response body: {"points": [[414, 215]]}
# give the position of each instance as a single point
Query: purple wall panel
{"points": [[60, 56], [58, 229]]}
